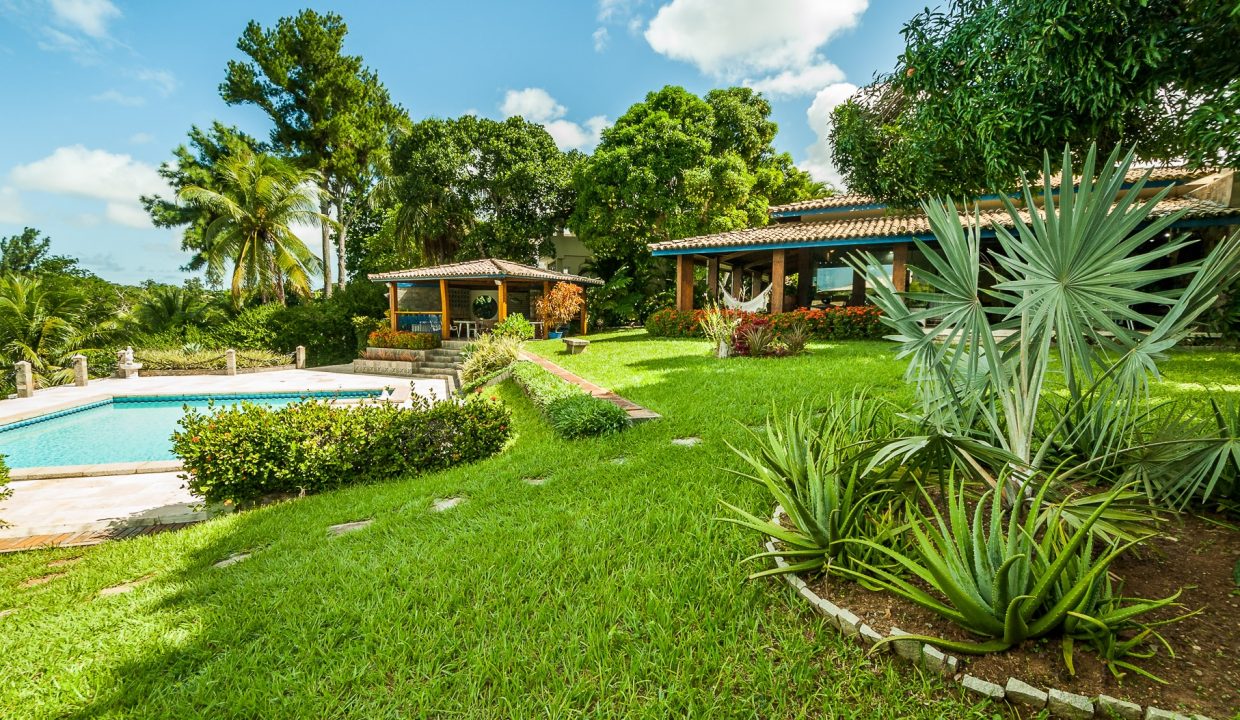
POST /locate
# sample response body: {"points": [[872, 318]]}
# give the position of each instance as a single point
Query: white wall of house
{"points": [[570, 254]]}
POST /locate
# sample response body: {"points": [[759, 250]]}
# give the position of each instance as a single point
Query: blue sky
{"points": [[100, 91]]}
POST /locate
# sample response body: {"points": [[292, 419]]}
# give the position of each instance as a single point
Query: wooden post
{"points": [[546, 292], [684, 282], [712, 279], [778, 257], [805, 277], [445, 320], [899, 266], [738, 281], [503, 300], [392, 303], [755, 279], [585, 319], [858, 289]]}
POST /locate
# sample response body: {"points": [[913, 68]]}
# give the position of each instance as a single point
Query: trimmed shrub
{"points": [[489, 354], [572, 412], [514, 326], [246, 452], [386, 337], [845, 323], [195, 359]]}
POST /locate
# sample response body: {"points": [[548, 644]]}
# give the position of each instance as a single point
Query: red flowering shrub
{"points": [[386, 337], [835, 323]]}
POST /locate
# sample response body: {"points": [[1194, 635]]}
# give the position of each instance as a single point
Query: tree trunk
{"points": [[342, 235], [325, 208]]}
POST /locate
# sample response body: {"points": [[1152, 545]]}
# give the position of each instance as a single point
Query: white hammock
{"points": [[761, 302]]}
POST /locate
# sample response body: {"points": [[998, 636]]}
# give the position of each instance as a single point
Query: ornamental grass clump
{"points": [[718, 325], [489, 354]]}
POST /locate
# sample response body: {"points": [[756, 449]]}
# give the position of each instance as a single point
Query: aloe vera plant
{"points": [[1010, 576], [812, 466]]}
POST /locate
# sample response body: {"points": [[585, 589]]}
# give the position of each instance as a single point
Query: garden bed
{"points": [[1204, 675]]}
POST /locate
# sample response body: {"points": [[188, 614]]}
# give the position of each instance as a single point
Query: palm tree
{"points": [[44, 323], [261, 197], [167, 307]]}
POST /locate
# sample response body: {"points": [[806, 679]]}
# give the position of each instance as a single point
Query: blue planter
{"points": [[554, 335]]}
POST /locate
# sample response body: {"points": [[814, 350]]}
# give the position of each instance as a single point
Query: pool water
{"points": [[123, 429]]}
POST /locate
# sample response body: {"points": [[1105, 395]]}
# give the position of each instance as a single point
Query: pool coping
{"points": [[55, 472]]}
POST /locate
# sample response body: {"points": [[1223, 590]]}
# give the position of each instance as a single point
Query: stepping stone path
{"points": [[686, 441], [344, 528], [619, 461], [536, 480], [64, 561], [124, 587], [42, 580], [6, 613], [232, 560], [447, 503]]}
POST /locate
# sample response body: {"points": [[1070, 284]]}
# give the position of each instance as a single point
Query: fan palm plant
{"points": [[261, 198], [1068, 287], [45, 323], [167, 307]]}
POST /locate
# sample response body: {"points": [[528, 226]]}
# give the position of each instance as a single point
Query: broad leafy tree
{"points": [[984, 87], [328, 110], [677, 165], [30, 253], [472, 187], [260, 198]]}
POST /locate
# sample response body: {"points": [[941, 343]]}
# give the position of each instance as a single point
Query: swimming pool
{"points": [[122, 429]]}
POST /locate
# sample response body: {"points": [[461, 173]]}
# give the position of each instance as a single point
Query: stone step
{"points": [[455, 344], [448, 355]]}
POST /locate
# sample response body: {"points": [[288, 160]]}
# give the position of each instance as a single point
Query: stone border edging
{"points": [[1060, 703], [60, 472]]}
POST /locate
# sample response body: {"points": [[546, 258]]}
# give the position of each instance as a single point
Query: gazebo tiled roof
{"points": [[486, 268], [848, 230]]}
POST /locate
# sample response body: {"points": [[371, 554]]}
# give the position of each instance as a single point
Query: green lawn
{"points": [[609, 591]]}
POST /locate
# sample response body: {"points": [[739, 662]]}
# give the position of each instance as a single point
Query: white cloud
{"points": [[116, 96], [163, 81], [802, 81], [601, 37], [571, 136], [90, 17], [96, 174], [537, 106], [141, 138], [533, 104], [777, 41], [11, 210], [818, 156]]}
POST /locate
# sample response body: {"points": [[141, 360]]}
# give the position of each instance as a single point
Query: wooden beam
{"points": [[712, 279], [738, 281], [546, 292], [778, 258], [899, 266], [503, 300], [805, 277], [585, 320], [684, 282], [445, 320], [392, 303], [858, 289]]}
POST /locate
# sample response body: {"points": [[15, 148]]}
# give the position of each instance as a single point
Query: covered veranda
{"points": [[467, 298]]}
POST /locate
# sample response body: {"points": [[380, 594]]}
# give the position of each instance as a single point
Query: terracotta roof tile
{"points": [[892, 225], [1161, 174], [485, 268]]}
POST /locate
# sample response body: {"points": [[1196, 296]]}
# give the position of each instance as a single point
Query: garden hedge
{"points": [[246, 452], [863, 322], [572, 412]]}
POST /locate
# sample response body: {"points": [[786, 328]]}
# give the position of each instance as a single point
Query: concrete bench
{"points": [[576, 346]]}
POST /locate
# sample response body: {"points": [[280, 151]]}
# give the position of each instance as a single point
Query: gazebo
{"points": [[468, 295]]}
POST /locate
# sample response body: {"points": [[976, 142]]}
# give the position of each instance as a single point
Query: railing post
{"points": [[80, 376], [25, 379], [299, 357], [230, 362]]}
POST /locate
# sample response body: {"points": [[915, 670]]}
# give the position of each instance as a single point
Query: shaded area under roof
{"points": [[484, 269]]}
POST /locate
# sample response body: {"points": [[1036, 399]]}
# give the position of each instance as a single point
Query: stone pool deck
{"points": [[85, 504]]}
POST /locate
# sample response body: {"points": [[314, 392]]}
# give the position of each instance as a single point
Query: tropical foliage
{"points": [[560, 306], [45, 323]]}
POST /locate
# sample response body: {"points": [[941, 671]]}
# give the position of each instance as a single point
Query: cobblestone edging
{"points": [[1060, 703]]}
